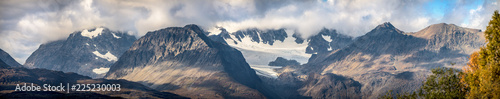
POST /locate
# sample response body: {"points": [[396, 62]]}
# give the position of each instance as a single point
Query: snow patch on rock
{"points": [[108, 56], [116, 36], [100, 70], [92, 34], [327, 38]]}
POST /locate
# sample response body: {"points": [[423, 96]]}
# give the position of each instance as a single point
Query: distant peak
{"points": [[222, 29], [385, 25], [195, 28], [97, 27], [384, 29], [192, 26], [441, 25], [442, 29]]}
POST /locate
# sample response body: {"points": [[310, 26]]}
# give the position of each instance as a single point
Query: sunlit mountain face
{"points": [[235, 48]]}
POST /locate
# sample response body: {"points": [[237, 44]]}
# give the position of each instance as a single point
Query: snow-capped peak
{"points": [[92, 34]]}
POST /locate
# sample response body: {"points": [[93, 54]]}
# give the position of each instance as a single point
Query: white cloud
{"points": [[24, 24]]}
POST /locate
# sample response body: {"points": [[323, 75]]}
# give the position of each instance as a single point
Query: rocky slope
{"points": [[3, 64], [451, 37], [11, 76], [330, 86], [8, 59], [384, 59], [389, 59], [88, 52], [183, 60]]}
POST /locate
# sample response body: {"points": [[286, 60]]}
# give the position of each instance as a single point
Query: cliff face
{"points": [[88, 52], [183, 60]]}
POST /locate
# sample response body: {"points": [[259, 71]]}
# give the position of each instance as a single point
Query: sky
{"points": [[25, 24]]}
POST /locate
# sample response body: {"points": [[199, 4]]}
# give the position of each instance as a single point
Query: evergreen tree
{"points": [[479, 79], [443, 84], [483, 72]]}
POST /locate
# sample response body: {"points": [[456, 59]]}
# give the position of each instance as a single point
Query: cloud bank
{"points": [[25, 24]]}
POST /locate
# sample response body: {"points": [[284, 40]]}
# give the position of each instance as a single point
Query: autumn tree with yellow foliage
{"points": [[482, 74]]}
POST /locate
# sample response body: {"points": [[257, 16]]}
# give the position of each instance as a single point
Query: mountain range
{"points": [[387, 58], [179, 62], [183, 60]]}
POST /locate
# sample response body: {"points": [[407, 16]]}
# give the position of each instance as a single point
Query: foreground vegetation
{"points": [[479, 79]]}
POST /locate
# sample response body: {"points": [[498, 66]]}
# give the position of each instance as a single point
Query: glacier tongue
{"points": [[92, 34], [266, 71]]}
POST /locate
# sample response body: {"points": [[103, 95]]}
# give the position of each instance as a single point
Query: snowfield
{"points": [[261, 54], [258, 55]]}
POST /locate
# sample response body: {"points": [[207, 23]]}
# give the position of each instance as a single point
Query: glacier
{"points": [[259, 54]]}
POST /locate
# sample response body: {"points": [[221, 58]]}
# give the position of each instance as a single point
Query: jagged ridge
{"points": [[176, 59]]}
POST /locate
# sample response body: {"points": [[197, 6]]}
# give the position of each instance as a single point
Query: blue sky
{"points": [[25, 24], [437, 8]]}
